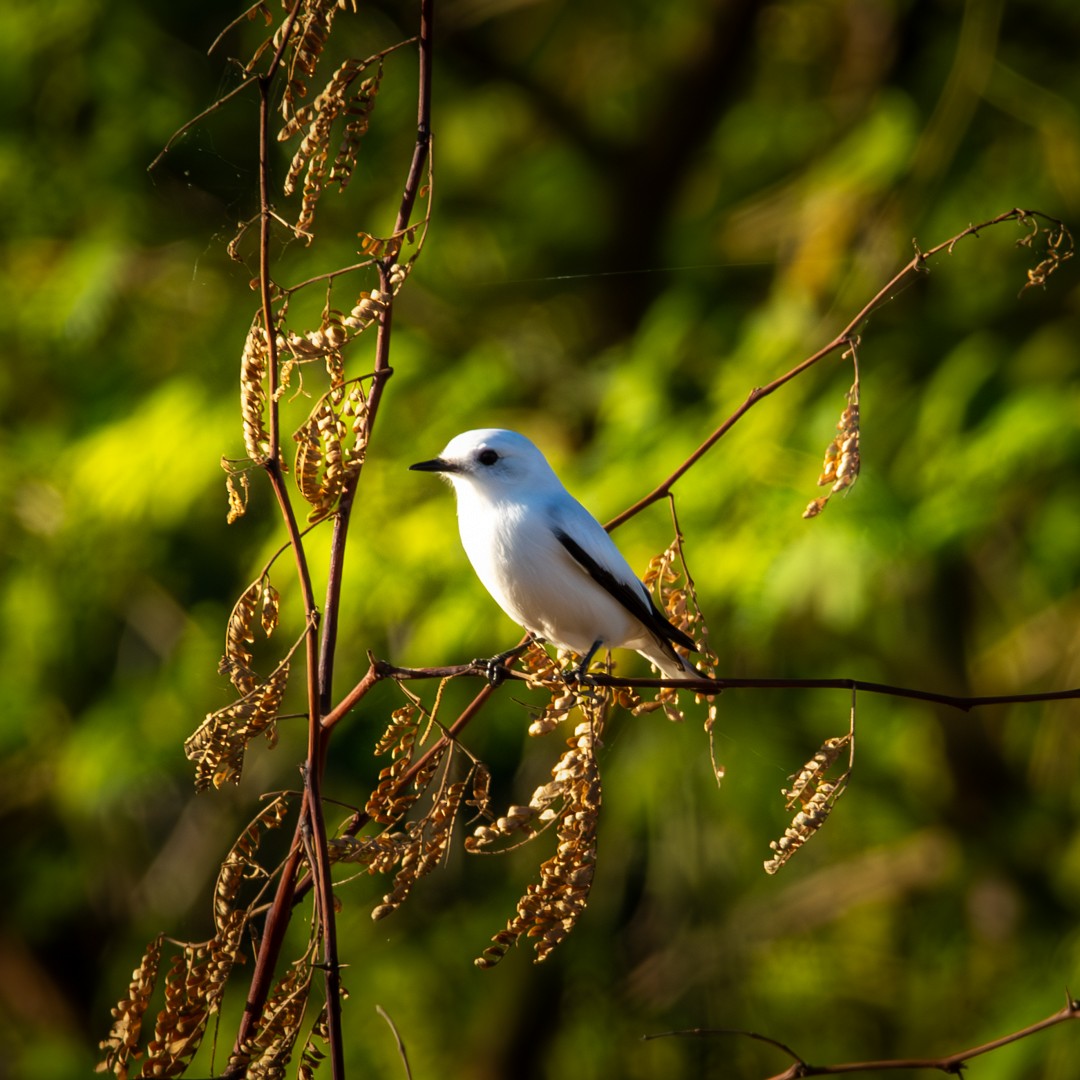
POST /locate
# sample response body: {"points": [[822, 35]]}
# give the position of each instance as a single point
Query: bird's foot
{"points": [[494, 669], [580, 673]]}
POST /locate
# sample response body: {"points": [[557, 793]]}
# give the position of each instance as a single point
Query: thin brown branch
{"points": [[330, 276], [383, 370], [423, 118], [706, 1033], [883, 296], [397, 1037], [951, 1064], [181, 131], [313, 766], [320, 660], [352, 698], [273, 936], [320, 869], [716, 686], [310, 814], [244, 16]]}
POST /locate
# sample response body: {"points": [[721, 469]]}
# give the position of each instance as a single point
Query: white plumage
{"points": [[547, 562]]}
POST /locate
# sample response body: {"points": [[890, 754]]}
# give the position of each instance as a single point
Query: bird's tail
{"points": [[670, 663]]}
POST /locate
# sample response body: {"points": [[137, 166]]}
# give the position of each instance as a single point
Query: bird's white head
{"points": [[493, 461]]}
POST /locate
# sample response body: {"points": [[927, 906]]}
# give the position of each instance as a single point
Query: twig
{"points": [[384, 670], [397, 1036], [208, 111], [879, 299], [383, 370], [952, 1064]]}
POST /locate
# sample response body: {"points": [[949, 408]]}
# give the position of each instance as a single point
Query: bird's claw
{"points": [[494, 669], [578, 676], [496, 672]]}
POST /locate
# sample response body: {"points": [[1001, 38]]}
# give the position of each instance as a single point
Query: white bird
{"points": [[547, 562]]}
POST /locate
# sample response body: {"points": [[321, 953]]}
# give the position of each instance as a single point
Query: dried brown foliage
{"points": [[424, 845], [550, 908], [338, 99], [122, 1045], [814, 792], [195, 982], [330, 447], [217, 746], [241, 865], [314, 1053], [841, 468], [1059, 247], [416, 847], [253, 367], [267, 1051]]}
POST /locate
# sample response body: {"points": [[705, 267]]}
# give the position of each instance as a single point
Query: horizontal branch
{"points": [[952, 1064], [479, 669]]}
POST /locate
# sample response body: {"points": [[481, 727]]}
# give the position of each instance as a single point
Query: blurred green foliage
{"points": [[642, 211]]}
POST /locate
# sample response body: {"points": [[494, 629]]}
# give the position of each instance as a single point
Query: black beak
{"points": [[434, 465]]}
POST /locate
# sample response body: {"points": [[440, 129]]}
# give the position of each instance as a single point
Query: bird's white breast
{"points": [[534, 579]]}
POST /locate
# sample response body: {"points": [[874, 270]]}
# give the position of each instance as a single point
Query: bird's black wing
{"points": [[639, 604]]}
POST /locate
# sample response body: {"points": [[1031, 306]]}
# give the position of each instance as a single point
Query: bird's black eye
{"points": [[487, 457]]}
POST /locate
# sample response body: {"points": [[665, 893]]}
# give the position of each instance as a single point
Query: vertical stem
{"points": [[423, 117], [382, 369], [278, 918], [324, 893], [320, 660]]}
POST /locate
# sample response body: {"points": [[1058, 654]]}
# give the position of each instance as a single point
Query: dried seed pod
{"points": [[1059, 248], [810, 776], [815, 795], [841, 465], [319, 469], [358, 109], [550, 908], [428, 844], [241, 864], [368, 308], [253, 367], [218, 744], [266, 1051], [238, 635], [238, 499], [336, 99], [122, 1043], [271, 607]]}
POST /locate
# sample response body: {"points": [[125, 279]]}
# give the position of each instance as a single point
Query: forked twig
{"points": [[951, 1064]]}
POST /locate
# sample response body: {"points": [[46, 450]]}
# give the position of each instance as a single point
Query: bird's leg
{"points": [[578, 674], [495, 667]]}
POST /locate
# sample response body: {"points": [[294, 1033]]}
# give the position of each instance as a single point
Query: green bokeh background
{"points": [[642, 210]]}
